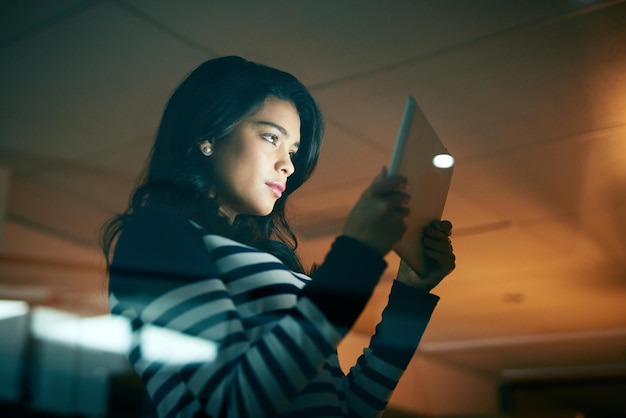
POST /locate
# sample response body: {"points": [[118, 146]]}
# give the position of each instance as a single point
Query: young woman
{"points": [[205, 257]]}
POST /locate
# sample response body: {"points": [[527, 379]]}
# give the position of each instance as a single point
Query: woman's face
{"points": [[252, 165]]}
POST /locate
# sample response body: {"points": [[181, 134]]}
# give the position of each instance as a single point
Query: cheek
{"points": [[244, 177], [241, 167]]}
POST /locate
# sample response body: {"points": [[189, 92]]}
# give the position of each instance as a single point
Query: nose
{"points": [[285, 165]]}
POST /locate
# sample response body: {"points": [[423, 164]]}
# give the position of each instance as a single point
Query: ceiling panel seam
{"points": [[536, 23]]}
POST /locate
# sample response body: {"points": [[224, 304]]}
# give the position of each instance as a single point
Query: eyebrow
{"points": [[273, 125], [277, 126]]}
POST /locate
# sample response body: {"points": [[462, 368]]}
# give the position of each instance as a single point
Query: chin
{"points": [[260, 211], [267, 211]]}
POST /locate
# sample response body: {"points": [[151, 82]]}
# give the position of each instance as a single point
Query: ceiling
{"points": [[530, 98]]}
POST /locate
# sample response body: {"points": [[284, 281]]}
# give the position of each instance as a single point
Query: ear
{"points": [[206, 148]]}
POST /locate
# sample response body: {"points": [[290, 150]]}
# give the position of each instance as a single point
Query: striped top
{"points": [[222, 329]]}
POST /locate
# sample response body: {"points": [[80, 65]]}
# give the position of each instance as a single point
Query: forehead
{"points": [[279, 112]]}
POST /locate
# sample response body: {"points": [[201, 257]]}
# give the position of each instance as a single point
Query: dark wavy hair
{"points": [[208, 105]]}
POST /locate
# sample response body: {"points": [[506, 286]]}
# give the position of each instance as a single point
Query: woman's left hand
{"points": [[440, 258]]}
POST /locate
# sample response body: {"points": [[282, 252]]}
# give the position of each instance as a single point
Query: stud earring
{"points": [[207, 151]]}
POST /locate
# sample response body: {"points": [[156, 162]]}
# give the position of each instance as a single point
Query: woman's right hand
{"points": [[379, 217]]}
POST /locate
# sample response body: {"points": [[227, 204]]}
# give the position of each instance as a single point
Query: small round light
{"points": [[443, 161]]}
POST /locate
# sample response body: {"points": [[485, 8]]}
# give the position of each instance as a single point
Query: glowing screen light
{"points": [[443, 161]]}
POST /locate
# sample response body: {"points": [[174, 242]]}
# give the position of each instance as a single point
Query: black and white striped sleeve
{"points": [[164, 280]]}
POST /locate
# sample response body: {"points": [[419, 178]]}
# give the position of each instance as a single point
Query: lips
{"points": [[277, 187]]}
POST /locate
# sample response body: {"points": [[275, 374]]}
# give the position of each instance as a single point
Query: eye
{"points": [[271, 138]]}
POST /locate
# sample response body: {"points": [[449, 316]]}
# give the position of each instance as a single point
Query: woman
{"points": [[205, 256]]}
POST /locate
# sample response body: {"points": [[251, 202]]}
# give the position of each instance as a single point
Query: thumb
{"points": [[381, 176], [378, 183]]}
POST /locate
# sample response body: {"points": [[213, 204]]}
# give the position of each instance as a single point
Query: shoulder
{"points": [[158, 219], [161, 239]]}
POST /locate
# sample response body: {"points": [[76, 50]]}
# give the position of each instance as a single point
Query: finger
{"points": [[395, 217], [381, 175], [436, 234], [402, 212], [444, 226], [445, 261], [382, 187], [441, 244], [398, 198], [438, 245]]}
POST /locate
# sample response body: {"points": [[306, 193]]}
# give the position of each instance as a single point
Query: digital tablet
{"points": [[421, 157]]}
